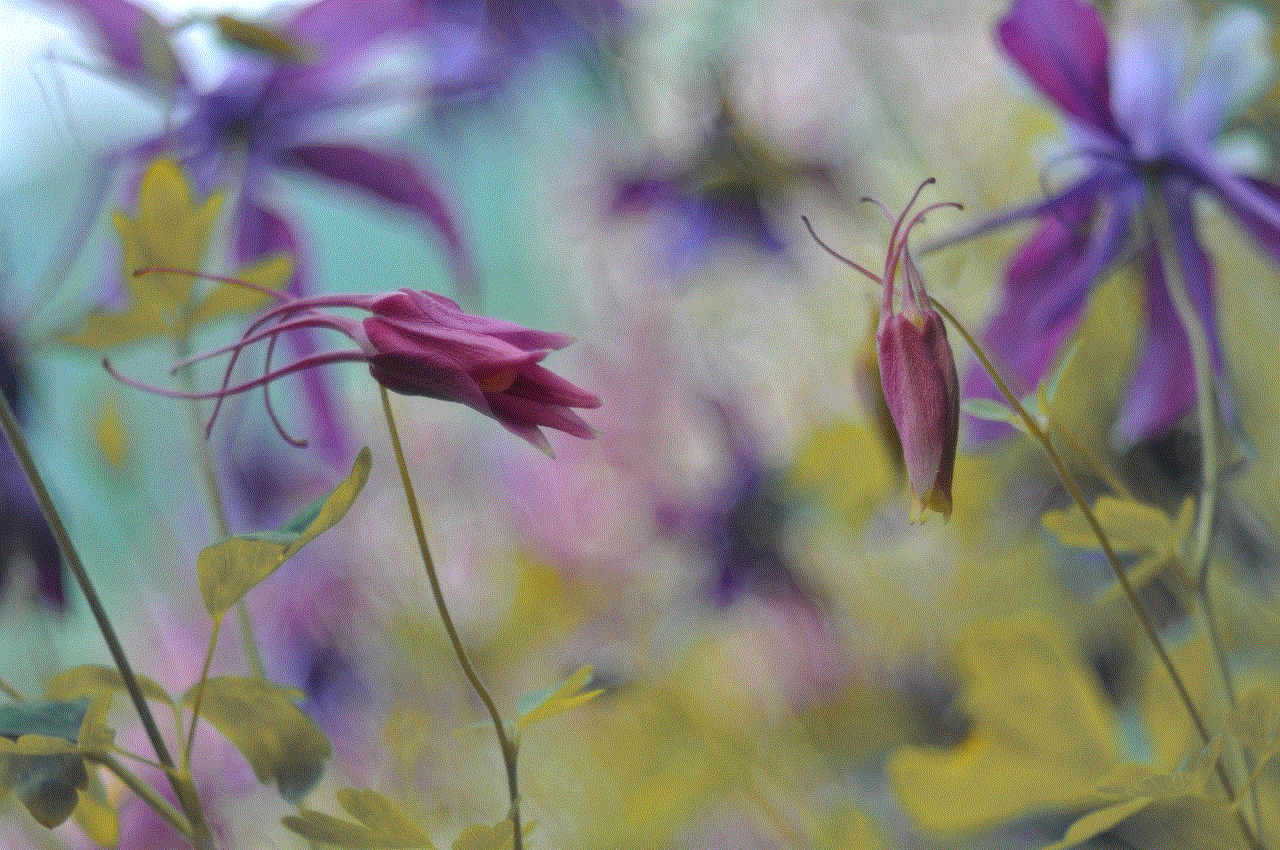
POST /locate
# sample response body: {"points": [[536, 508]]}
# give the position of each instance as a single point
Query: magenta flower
{"points": [[1147, 136], [917, 368], [423, 344]]}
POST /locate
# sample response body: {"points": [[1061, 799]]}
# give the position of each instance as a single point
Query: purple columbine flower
{"points": [[1144, 133], [416, 343]]}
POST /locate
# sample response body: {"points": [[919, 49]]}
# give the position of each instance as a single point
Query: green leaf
{"points": [[257, 37], [97, 818], [1099, 821], [230, 569], [380, 823], [500, 836], [53, 719], [280, 741], [1042, 734], [94, 735], [39, 759], [90, 680], [990, 410], [540, 705], [172, 230]]}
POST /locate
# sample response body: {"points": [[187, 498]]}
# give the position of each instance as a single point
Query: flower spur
{"points": [[415, 343]]}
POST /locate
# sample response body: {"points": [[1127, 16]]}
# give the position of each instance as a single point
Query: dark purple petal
{"points": [[409, 376], [1256, 205], [1045, 295], [540, 384], [516, 412], [1163, 387], [125, 29], [335, 30], [1062, 46], [418, 306], [395, 180]]}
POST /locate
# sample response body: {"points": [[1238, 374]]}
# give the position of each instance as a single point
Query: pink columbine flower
{"points": [[415, 343], [917, 368]]}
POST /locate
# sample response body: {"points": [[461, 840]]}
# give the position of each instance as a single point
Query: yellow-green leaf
{"points": [[90, 680], [230, 569], [1099, 821], [380, 823], [281, 743], [258, 37], [97, 818], [501, 836], [95, 737], [1042, 734], [540, 705], [172, 230]]}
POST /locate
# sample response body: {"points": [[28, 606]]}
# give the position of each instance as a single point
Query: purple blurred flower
{"points": [[727, 192], [24, 534], [478, 45], [420, 343], [1145, 133]]}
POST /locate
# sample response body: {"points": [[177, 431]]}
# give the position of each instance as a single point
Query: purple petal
{"points": [[1256, 205], [395, 180], [411, 305], [125, 29], [1062, 46], [339, 29], [409, 376], [1163, 387], [1046, 289]]}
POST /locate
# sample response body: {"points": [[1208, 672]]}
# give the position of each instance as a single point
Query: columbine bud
{"points": [[917, 369], [918, 374]]}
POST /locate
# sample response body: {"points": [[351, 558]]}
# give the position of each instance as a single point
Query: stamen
{"points": [[216, 278], [833, 252], [352, 356]]}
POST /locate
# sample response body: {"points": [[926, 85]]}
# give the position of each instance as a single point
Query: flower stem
{"points": [[158, 804], [1121, 577], [1161, 228], [506, 744], [70, 555]]}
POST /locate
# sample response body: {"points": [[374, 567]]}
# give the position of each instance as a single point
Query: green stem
{"points": [[72, 558], [198, 702], [1121, 577], [505, 743], [213, 496], [158, 804], [1210, 453], [199, 831]]}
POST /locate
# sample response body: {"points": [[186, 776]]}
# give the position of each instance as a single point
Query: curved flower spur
{"points": [[917, 368], [415, 343]]}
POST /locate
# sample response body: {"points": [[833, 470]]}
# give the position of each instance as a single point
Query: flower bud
{"points": [[918, 376]]}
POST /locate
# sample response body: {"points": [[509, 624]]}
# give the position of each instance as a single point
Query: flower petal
{"points": [[395, 180], [1062, 46]]}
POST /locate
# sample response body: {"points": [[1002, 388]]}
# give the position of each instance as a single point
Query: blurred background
{"points": [[732, 552]]}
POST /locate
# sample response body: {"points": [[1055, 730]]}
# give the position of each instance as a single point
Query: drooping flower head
{"points": [[416, 343], [917, 368], [1149, 139]]}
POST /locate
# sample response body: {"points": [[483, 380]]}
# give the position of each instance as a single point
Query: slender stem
{"points": [[1207, 413], [158, 804], [72, 558], [505, 743], [199, 698], [1121, 577], [213, 496]]}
